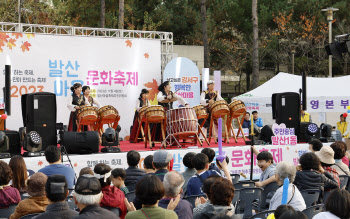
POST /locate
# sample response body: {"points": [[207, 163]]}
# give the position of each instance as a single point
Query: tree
{"points": [[103, 13], [255, 55], [121, 15], [205, 33]]}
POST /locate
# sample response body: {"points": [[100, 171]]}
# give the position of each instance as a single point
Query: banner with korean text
{"points": [[115, 69]]}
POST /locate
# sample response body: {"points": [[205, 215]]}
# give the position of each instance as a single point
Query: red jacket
{"points": [[114, 197], [9, 195]]}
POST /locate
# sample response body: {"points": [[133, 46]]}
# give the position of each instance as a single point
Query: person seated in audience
{"points": [[189, 171], [56, 189], [86, 170], [337, 205], [339, 149], [211, 155], [147, 164], [8, 195], [293, 215], [295, 199], [201, 163], [220, 168], [221, 195], [201, 202], [112, 196], [149, 190], [326, 156], [246, 121], [226, 215], [257, 121], [311, 175], [37, 201], [265, 163], [53, 157], [133, 172], [315, 145], [173, 182], [87, 197], [19, 173], [279, 211], [118, 176]]}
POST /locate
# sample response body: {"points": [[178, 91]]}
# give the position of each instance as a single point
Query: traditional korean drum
{"points": [[201, 111], [142, 114], [219, 108], [154, 113], [237, 108], [107, 114], [182, 122], [87, 115]]}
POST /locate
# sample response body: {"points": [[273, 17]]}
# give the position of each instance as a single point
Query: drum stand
{"points": [[140, 128], [200, 131], [148, 130], [240, 129], [212, 125]]}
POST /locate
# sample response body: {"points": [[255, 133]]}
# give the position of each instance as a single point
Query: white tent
{"points": [[327, 98]]}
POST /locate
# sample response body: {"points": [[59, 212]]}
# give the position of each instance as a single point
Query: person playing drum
{"points": [[142, 101], [89, 101], [75, 102], [208, 97], [166, 97]]}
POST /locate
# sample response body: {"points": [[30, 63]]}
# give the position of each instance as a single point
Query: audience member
{"points": [[87, 197], [257, 121], [173, 182], [200, 203], [211, 155], [37, 201], [53, 157], [246, 121], [279, 211], [149, 190], [56, 189], [265, 163], [293, 215], [133, 172], [220, 201], [336, 206], [118, 176], [8, 194], [189, 171], [220, 168], [310, 174], [226, 215], [112, 196], [295, 199], [315, 145], [339, 149], [326, 156], [147, 164], [86, 170], [19, 173]]}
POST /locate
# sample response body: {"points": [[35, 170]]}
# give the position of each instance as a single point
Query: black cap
{"points": [[56, 184], [88, 185]]}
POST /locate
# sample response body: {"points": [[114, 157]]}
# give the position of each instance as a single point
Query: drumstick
{"points": [[242, 174]]}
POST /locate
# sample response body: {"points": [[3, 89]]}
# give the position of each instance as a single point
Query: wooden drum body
{"points": [[87, 115], [107, 114], [237, 108], [219, 108], [142, 115], [182, 122], [154, 113], [201, 111]]}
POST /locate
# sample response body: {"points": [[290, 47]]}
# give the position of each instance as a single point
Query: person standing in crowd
{"points": [[56, 189], [326, 156], [8, 195], [342, 126], [20, 174], [75, 102], [142, 101], [189, 171], [133, 172], [257, 121], [89, 101], [305, 117], [87, 197], [315, 145], [53, 157], [246, 121]]}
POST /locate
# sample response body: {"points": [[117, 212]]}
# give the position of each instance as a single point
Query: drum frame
{"points": [[215, 116], [235, 114], [112, 121], [90, 122]]}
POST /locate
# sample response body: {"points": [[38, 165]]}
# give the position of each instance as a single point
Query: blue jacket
{"points": [[194, 186], [259, 122], [246, 124]]}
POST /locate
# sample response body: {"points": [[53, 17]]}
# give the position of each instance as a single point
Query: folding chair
{"points": [[247, 197], [264, 201], [262, 215], [313, 210], [310, 196], [193, 198]]}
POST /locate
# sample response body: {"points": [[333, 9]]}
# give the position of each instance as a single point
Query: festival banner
{"points": [[184, 77], [115, 69]]}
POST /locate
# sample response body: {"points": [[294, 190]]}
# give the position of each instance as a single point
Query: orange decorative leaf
{"points": [[17, 35], [146, 55], [75, 164], [11, 43], [40, 163], [153, 91], [29, 35], [25, 46], [287, 148], [128, 43], [4, 36]]}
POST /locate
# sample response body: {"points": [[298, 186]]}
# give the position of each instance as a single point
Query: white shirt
{"points": [[204, 101], [70, 105], [161, 97], [297, 202], [94, 102], [325, 215], [138, 107]]}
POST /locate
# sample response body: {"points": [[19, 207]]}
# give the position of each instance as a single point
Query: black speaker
{"points": [[81, 142], [40, 116], [8, 89], [266, 134], [14, 142], [286, 109]]}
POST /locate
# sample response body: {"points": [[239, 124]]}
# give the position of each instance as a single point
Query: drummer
{"points": [[208, 97], [142, 101], [166, 97], [75, 102], [89, 101]]}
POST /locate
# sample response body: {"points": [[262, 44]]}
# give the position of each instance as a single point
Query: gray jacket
{"points": [[211, 210], [58, 210]]}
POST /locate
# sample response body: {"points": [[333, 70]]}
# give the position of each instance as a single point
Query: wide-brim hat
{"points": [[326, 155]]}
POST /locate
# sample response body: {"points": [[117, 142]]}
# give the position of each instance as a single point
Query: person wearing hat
{"points": [[56, 189], [142, 101], [166, 97], [88, 196], [342, 126], [326, 156], [37, 201]]}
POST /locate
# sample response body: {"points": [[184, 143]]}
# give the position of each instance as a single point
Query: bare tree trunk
{"points": [[255, 58], [103, 13], [205, 33], [121, 15]]}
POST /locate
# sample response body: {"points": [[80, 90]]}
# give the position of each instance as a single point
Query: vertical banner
{"points": [[184, 77], [205, 78], [217, 79]]}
